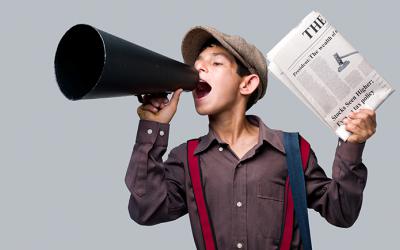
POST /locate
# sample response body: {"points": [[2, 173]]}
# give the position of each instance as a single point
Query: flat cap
{"points": [[245, 52]]}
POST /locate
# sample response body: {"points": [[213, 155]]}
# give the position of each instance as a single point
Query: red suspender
{"points": [[195, 176], [289, 215]]}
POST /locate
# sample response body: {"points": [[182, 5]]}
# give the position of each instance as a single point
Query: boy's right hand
{"points": [[159, 109]]}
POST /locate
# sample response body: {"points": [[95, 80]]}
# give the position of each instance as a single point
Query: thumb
{"points": [[175, 97]]}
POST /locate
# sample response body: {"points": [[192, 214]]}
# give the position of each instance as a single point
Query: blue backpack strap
{"points": [[297, 183]]}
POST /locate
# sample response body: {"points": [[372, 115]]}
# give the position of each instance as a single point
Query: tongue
{"points": [[201, 93]]}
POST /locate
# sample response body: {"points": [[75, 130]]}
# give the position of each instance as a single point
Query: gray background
{"points": [[63, 163]]}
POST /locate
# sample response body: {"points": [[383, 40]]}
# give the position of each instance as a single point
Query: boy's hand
{"points": [[362, 125], [159, 109]]}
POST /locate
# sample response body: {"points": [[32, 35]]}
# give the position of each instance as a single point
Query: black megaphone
{"points": [[90, 63]]}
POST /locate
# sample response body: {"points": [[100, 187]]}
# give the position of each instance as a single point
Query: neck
{"points": [[231, 127]]}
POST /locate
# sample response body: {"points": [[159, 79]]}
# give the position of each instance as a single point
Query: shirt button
{"points": [[149, 131], [220, 149], [239, 245], [162, 133], [238, 204]]}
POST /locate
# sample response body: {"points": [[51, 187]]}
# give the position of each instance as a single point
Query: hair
{"points": [[241, 69]]}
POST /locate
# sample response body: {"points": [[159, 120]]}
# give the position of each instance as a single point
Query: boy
{"points": [[242, 161]]}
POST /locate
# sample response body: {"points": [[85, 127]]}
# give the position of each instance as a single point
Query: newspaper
{"points": [[324, 70]]}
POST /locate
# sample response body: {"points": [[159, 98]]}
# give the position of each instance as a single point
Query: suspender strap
{"points": [[289, 217], [195, 176], [296, 196]]}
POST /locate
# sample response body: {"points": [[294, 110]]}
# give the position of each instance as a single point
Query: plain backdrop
{"points": [[63, 163]]}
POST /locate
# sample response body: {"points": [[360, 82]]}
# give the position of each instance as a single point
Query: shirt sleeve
{"points": [[338, 199], [156, 187]]}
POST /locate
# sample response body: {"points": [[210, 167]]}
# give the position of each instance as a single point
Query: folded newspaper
{"points": [[322, 68]]}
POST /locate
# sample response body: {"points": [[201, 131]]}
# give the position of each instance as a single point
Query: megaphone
{"points": [[90, 63]]}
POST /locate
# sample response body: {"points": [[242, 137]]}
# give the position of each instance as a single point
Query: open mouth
{"points": [[202, 89]]}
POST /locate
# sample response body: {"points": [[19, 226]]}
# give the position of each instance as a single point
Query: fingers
{"points": [[365, 114], [365, 119], [154, 102], [144, 113], [361, 113], [175, 97], [157, 107], [362, 124], [150, 107], [157, 100]]}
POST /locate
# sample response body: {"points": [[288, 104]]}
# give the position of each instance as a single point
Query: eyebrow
{"points": [[217, 54]]}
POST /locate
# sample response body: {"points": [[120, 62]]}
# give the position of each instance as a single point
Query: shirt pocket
{"points": [[270, 205]]}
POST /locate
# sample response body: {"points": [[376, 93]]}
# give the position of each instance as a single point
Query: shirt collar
{"points": [[268, 135]]}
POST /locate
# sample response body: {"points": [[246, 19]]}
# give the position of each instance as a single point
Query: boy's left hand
{"points": [[362, 125]]}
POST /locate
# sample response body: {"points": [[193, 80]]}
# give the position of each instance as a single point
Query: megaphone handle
{"points": [[141, 100]]}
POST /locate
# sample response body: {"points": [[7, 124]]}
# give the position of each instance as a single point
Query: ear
{"points": [[249, 84]]}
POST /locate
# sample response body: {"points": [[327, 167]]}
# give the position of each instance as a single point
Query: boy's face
{"points": [[218, 89]]}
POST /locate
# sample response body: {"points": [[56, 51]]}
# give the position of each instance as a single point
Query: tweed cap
{"points": [[246, 53]]}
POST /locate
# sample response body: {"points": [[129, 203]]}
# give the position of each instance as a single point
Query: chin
{"points": [[203, 111], [202, 108], [211, 106], [208, 110]]}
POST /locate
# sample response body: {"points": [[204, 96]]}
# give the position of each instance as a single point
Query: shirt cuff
{"points": [[151, 132], [350, 151]]}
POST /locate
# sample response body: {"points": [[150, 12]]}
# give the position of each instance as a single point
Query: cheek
{"points": [[226, 81], [228, 89]]}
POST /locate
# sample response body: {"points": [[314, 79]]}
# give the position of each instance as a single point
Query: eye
{"points": [[217, 63]]}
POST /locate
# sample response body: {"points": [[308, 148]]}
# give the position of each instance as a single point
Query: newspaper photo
{"points": [[324, 70]]}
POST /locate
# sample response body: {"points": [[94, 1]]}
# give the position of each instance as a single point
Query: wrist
{"points": [[152, 132]]}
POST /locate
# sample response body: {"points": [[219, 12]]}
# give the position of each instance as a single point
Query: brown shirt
{"points": [[245, 196]]}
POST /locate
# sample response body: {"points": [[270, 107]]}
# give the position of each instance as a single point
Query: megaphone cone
{"points": [[90, 63]]}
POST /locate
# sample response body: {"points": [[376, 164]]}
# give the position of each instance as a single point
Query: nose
{"points": [[200, 66]]}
